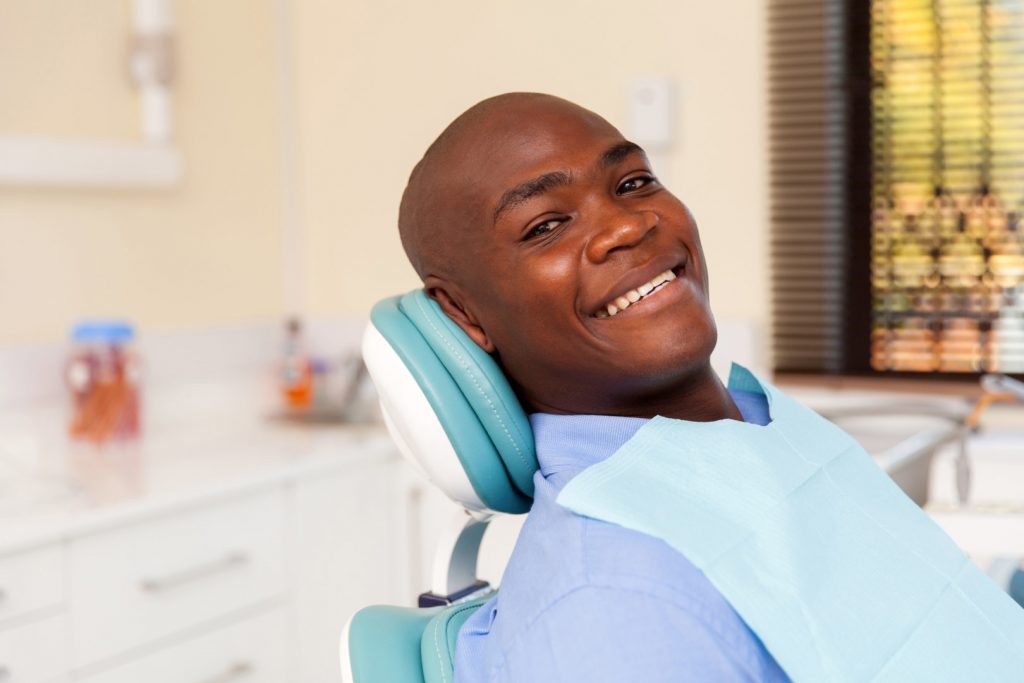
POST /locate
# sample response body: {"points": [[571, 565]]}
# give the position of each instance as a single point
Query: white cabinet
{"points": [[251, 651], [250, 579], [33, 630], [29, 582], [345, 545], [34, 652], [137, 583]]}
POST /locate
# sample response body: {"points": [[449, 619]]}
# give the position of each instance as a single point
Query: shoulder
{"points": [[583, 593], [601, 632], [559, 552]]}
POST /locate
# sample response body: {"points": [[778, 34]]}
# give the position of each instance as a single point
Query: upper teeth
{"points": [[624, 301]]}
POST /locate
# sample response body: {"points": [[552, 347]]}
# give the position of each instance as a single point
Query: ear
{"points": [[447, 296]]}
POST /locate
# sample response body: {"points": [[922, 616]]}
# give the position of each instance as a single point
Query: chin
{"points": [[674, 352]]}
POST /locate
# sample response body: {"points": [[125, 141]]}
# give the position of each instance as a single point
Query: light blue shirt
{"points": [[584, 600]]}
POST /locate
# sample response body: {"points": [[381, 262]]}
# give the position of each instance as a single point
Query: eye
{"points": [[543, 228], [634, 184]]}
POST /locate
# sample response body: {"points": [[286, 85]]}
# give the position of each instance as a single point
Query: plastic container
{"points": [[103, 376], [297, 369]]}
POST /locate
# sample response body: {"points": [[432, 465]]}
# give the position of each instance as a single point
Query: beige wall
{"points": [[368, 83], [378, 80], [206, 252]]}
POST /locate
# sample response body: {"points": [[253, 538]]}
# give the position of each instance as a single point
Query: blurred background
{"points": [[198, 208], [296, 125]]}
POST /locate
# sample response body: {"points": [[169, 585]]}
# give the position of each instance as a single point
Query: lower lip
{"points": [[663, 296]]}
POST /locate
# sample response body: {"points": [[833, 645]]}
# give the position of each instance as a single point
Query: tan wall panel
{"points": [[206, 252], [62, 69]]}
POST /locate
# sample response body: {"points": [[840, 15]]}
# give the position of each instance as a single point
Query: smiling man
{"points": [[544, 234]]}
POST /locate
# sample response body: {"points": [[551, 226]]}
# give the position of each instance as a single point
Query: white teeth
{"points": [[624, 301]]}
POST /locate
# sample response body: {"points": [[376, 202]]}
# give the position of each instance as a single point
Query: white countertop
{"points": [[51, 489]]}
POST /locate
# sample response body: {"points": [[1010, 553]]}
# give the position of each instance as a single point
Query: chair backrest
{"points": [[449, 407], [453, 415]]}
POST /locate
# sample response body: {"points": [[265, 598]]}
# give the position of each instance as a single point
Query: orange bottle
{"points": [[297, 370]]}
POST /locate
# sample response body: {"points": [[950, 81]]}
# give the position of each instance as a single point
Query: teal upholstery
{"points": [[437, 647], [491, 437], [383, 643], [474, 402], [405, 644]]}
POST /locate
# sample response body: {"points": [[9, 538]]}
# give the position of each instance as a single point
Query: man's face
{"points": [[585, 274]]}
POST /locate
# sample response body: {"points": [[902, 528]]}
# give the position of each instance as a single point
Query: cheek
{"points": [[551, 276], [543, 283], [528, 303]]}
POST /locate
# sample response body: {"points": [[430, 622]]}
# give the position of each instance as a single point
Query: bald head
{"points": [[445, 206], [546, 237]]}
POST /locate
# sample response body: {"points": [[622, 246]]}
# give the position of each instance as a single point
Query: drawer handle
{"points": [[236, 670], [171, 581]]}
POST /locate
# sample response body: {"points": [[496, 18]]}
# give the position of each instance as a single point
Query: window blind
{"points": [[807, 119]]}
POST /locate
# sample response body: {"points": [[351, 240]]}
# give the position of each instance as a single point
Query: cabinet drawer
{"points": [[34, 652], [153, 579], [30, 581], [248, 652]]}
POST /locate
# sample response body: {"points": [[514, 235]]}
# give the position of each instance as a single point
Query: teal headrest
{"points": [[470, 396]]}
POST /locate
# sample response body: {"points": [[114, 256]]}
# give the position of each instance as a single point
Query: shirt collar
{"points": [[571, 443], [574, 442]]}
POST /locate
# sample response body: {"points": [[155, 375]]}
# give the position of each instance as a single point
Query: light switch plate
{"points": [[652, 111]]}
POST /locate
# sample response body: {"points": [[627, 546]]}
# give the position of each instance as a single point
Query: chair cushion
{"points": [[406, 644], [442, 360], [482, 383], [437, 647], [384, 644]]}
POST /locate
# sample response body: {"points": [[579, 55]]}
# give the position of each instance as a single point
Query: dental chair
{"points": [[454, 416]]}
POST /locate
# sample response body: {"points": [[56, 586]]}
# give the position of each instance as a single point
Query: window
{"points": [[898, 185]]}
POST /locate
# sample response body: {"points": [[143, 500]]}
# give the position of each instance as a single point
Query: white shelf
{"points": [[34, 161]]}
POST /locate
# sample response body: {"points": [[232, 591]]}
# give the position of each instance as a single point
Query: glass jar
{"points": [[103, 376]]}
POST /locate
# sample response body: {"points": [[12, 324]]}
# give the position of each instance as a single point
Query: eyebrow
{"points": [[549, 181], [617, 153]]}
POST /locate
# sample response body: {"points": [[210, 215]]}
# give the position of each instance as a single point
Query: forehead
{"points": [[516, 144], [527, 144], [509, 146]]}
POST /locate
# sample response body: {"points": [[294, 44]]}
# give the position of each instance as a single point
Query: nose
{"points": [[619, 229]]}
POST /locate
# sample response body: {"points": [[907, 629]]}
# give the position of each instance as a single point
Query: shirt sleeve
{"points": [[597, 634]]}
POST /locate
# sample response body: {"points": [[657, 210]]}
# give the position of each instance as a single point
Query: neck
{"points": [[701, 398]]}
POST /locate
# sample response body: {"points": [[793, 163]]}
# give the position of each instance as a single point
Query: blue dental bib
{"points": [[840, 574]]}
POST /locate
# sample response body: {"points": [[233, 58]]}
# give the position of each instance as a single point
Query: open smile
{"points": [[640, 293]]}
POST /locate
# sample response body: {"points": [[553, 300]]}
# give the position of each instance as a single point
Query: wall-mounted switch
{"points": [[651, 118]]}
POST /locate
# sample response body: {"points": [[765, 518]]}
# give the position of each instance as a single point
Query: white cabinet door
{"points": [[34, 652], [343, 529], [30, 581], [251, 651], [423, 513], [150, 580]]}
